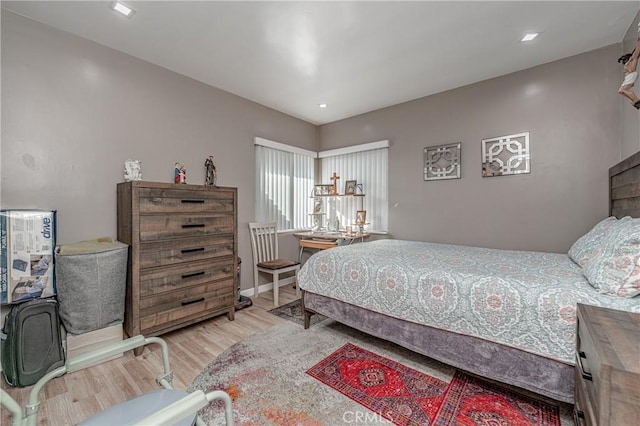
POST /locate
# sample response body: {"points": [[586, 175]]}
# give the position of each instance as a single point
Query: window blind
{"points": [[367, 164], [284, 181]]}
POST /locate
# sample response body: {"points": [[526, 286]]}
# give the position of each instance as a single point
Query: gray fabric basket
{"points": [[91, 278]]}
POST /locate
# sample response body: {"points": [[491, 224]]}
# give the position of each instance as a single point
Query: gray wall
{"points": [[73, 111], [630, 117], [571, 109]]}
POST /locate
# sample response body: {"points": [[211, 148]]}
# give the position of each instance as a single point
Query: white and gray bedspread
{"points": [[521, 299]]}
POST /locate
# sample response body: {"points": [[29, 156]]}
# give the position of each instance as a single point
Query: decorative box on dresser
{"points": [[607, 367], [182, 257]]}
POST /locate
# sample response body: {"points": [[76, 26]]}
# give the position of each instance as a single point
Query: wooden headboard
{"points": [[624, 187]]}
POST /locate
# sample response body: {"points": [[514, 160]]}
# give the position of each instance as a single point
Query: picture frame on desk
{"points": [[361, 217], [350, 187]]}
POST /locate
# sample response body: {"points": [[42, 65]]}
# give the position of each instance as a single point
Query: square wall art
{"points": [[442, 162], [505, 155]]}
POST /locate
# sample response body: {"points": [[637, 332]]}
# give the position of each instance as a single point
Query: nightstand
{"points": [[607, 367]]}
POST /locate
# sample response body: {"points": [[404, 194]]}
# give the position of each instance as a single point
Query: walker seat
{"points": [[136, 409]]}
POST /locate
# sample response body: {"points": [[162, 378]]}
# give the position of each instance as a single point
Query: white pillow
{"points": [[588, 246], [615, 267]]}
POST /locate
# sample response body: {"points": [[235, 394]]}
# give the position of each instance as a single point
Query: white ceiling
{"points": [[356, 56]]}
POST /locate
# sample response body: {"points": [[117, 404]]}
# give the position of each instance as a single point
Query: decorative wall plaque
{"points": [[442, 162], [505, 155]]}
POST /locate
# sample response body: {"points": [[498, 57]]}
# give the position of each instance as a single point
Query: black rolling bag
{"points": [[31, 344]]}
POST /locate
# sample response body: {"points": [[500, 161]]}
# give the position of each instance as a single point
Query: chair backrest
{"points": [[264, 241]]}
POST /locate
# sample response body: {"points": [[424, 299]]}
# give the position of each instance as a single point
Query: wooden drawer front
{"points": [[588, 368], [185, 296], [184, 201], [152, 322], [166, 279], [158, 227], [583, 404], [163, 253]]}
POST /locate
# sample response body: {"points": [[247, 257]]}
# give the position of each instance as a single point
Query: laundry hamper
{"points": [[91, 278]]}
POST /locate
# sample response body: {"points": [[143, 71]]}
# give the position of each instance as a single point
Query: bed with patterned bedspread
{"points": [[525, 300]]}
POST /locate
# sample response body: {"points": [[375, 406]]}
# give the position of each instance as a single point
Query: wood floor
{"points": [[76, 396]]}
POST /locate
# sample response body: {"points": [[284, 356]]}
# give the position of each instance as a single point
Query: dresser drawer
{"points": [[583, 403], [186, 296], [608, 344], [171, 252], [153, 321], [154, 200], [167, 279], [588, 367], [158, 227]]}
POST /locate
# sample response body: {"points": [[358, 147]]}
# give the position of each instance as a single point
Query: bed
{"points": [[505, 315]]}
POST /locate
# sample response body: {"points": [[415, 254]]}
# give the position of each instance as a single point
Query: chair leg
{"points": [[275, 290], [255, 284], [296, 283]]}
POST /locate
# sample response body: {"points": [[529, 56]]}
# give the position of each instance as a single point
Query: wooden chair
{"points": [[264, 246]]}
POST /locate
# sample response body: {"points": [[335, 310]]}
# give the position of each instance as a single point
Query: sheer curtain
{"points": [[284, 181], [368, 164]]}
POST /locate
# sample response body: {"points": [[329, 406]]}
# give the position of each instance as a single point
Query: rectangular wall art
{"points": [[442, 162], [505, 155]]}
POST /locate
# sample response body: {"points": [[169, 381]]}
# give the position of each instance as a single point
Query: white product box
{"points": [[27, 242]]}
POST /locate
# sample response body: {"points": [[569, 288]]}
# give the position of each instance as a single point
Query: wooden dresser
{"points": [[182, 256], [607, 367]]}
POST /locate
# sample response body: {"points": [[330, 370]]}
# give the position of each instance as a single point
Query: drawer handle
{"points": [[192, 250], [192, 201], [584, 374], [578, 417], [195, 274], [193, 301], [195, 225]]}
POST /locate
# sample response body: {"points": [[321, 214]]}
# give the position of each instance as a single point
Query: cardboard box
{"points": [[27, 242]]}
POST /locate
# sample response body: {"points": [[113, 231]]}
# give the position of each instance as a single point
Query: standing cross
{"points": [[335, 178]]}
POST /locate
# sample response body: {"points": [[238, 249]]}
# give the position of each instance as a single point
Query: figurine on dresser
{"points": [[211, 177], [132, 170]]}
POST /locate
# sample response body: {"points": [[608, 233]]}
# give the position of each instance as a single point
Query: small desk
{"points": [[325, 240]]}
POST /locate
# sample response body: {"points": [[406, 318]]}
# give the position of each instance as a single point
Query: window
{"points": [[284, 181], [367, 164]]}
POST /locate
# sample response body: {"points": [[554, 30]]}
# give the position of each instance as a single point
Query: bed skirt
{"points": [[525, 370]]}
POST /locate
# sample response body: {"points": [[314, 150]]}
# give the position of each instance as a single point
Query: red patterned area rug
{"points": [[471, 401], [408, 397], [400, 394]]}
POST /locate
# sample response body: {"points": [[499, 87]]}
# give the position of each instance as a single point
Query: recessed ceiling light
{"points": [[529, 36], [122, 8], [323, 105]]}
